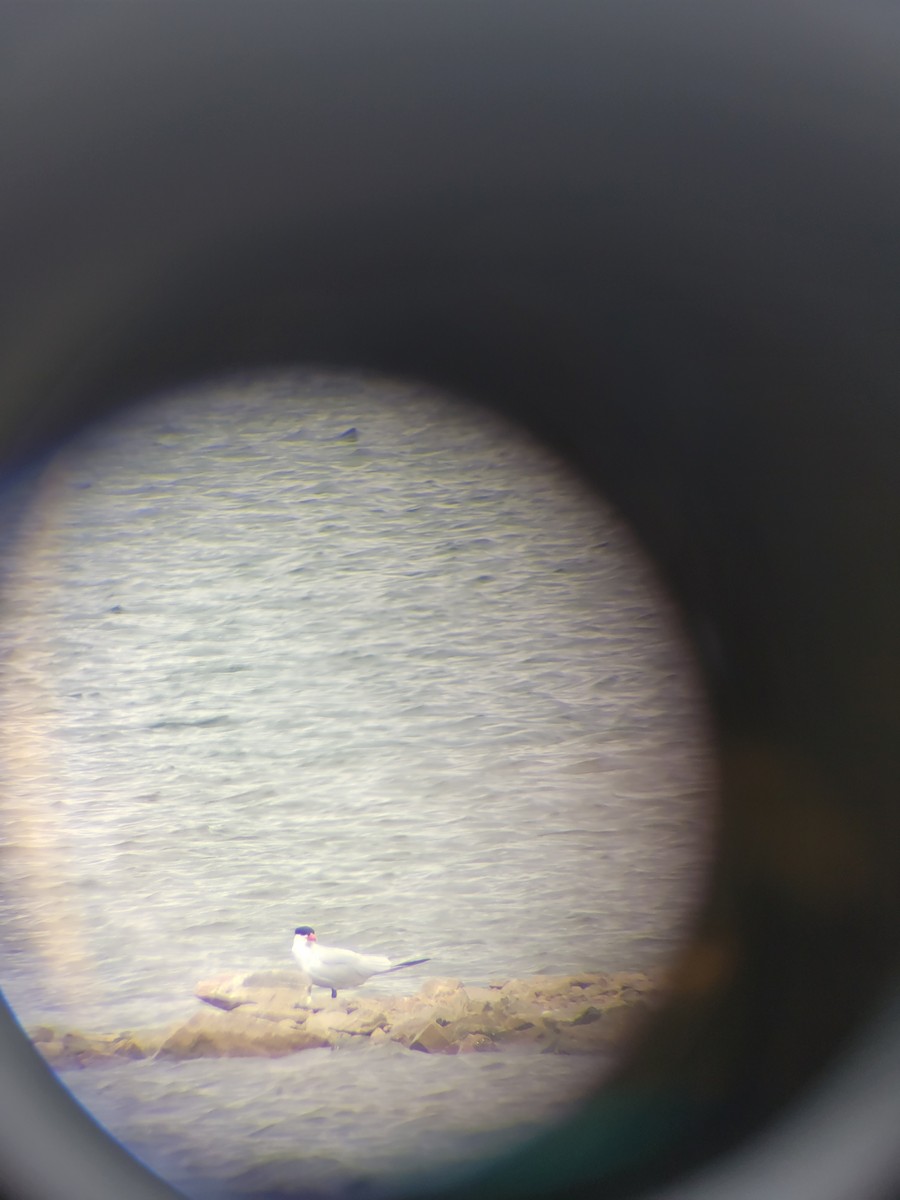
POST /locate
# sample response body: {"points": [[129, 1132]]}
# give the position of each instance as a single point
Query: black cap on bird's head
{"points": [[304, 931]]}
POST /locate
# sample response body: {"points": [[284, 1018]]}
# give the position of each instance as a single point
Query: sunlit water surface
{"points": [[415, 686]]}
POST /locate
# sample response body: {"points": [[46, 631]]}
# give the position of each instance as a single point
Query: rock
{"points": [[448, 998], [148, 1041], [128, 1047], [542, 990], [433, 1040], [587, 1016], [482, 999], [368, 1011], [594, 1031], [476, 1043], [509, 1011], [406, 1006], [274, 995], [434, 989], [526, 1033], [237, 1035], [269, 1013], [361, 1022], [77, 1043], [409, 1025], [51, 1050], [582, 1039], [74, 1049]]}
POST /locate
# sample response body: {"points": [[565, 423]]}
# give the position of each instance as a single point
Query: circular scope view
{"points": [[357, 783]]}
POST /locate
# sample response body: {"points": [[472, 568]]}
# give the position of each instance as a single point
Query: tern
{"points": [[330, 967]]}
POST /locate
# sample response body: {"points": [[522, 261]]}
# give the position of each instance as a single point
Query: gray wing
{"points": [[348, 967]]}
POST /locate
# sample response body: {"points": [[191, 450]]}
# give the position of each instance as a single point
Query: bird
{"points": [[331, 967]]}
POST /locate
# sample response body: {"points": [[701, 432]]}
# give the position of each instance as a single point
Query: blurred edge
{"points": [[664, 235]]}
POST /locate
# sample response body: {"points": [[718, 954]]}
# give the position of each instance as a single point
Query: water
{"points": [[417, 688], [365, 1122]]}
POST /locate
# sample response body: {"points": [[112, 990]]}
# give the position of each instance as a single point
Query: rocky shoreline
{"points": [[272, 1013]]}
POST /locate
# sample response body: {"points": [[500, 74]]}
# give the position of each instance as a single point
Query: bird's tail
{"points": [[413, 962]]}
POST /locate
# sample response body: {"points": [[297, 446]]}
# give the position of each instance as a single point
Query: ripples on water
{"points": [[418, 689]]}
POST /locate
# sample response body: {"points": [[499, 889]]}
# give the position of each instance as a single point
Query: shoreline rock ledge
{"points": [[272, 1013]]}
